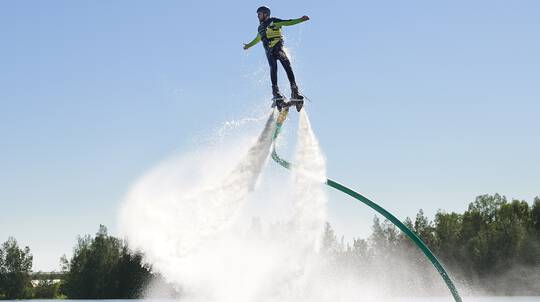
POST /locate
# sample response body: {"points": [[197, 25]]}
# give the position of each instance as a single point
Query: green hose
{"points": [[425, 249]]}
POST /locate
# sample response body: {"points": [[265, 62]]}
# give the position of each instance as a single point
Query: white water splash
{"points": [[181, 203], [236, 125], [309, 176], [184, 216]]}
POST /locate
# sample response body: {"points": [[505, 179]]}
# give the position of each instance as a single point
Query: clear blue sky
{"points": [[417, 104]]}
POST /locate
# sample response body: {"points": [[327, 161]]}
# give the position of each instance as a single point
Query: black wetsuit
{"points": [[274, 49]]}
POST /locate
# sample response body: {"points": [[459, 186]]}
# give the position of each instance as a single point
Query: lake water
{"points": [[424, 299], [471, 299]]}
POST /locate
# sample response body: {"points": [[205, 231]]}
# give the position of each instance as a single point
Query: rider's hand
{"points": [[305, 18]]}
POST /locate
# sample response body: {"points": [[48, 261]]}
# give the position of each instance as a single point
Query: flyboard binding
{"points": [[281, 103]]}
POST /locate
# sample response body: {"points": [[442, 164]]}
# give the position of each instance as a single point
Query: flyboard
{"points": [[282, 103], [283, 112]]}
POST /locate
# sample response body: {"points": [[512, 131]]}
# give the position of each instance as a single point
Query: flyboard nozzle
{"points": [[282, 116], [280, 120]]}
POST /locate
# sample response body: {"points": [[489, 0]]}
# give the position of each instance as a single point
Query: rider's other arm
{"points": [[253, 42]]}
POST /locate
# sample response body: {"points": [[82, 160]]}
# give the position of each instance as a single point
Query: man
{"points": [[269, 32]]}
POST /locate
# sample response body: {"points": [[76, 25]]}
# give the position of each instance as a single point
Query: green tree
{"points": [[494, 244], [46, 289], [479, 235], [330, 245], [535, 216], [15, 268], [509, 233], [131, 274], [424, 228], [487, 206], [385, 238], [103, 268], [447, 231]]}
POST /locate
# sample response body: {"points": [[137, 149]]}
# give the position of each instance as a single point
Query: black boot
{"points": [[278, 98], [296, 98], [295, 95], [276, 94]]}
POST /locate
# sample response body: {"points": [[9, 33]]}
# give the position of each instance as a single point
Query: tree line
{"points": [[102, 267], [493, 246]]}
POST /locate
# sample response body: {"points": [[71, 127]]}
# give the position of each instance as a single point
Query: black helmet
{"points": [[263, 9]]}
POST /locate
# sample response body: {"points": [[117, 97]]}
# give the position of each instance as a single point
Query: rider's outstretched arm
{"points": [[290, 22], [253, 42]]}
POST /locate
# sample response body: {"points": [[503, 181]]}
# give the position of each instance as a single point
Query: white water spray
{"points": [[184, 216], [183, 202], [309, 176]]}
